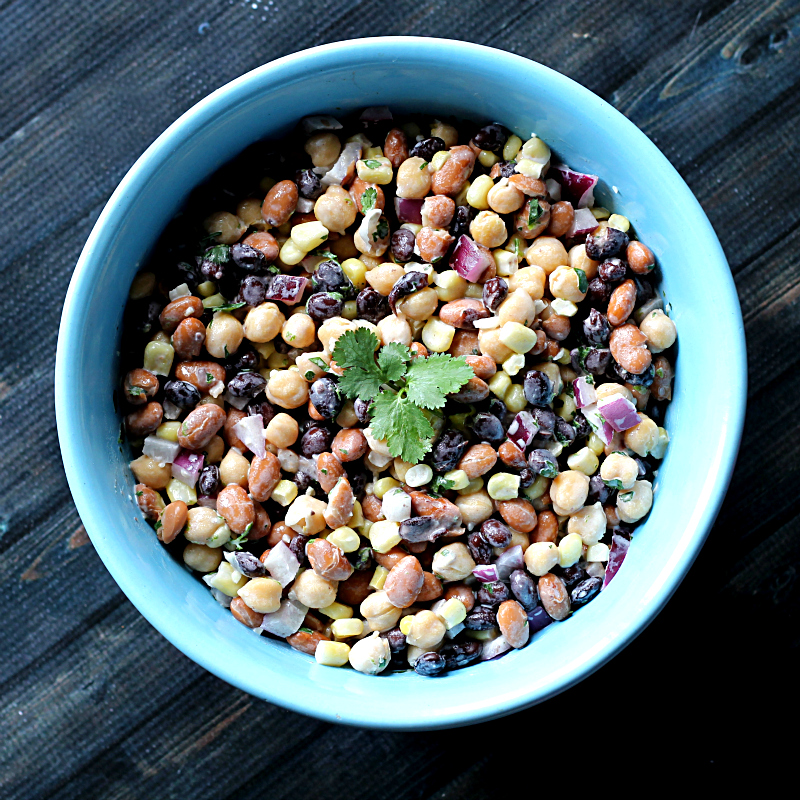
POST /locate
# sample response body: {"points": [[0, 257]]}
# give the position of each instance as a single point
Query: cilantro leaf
{"points": [[316, 360], [404, 427], [368, 199], [325, 254], [355, 354], [392, 360], [440, 484], [583, 283], [382, 231], [220, 254], [228, 307], [535, 212], [372, 163], [431, 379]]}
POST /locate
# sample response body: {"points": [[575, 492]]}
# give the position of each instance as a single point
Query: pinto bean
{"points": [[661, 388], [473, 391], [149, 501], [279, 203], [277, 532], [423, 505], [371, 508], [144, 421], [355, 589], [263, 476], [349, 444], [532, 187], [244, 614], [261, 526], [201, 374], [431, 588], [228, 434], [306, 642], [511, 455], [357, 189], [328, 561], [640, 258], [178, 310], [483, 366], [513, 623], [465, 343], [554, 596], [200, 426], [561, 216], [189, 337], [463, 313], [546, 528], [265, 243], [629, 348], [518, 514], [478, 460], [139, 386], [395, 147], [404, 582], [450, 179], [329, 469], [172, 520], [236, 508], [340, 505], [462, 592], [621, 304]]}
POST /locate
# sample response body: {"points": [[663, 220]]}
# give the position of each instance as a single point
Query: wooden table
{"points": [[95, 703]]}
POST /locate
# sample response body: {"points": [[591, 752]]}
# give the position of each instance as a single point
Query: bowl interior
{"points": [[441, 78]]}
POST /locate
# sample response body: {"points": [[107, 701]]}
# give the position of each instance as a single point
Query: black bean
{"points": [[357, 477], [526, 478], [507, 168], [324, 396], [330, 277], [143, 316], [543, 462], [248, 258], [361, 407], [570, 575], [581, 425], [190, 274], [495, 533], [448, 450], [539, 390], [480, 551], [644, 468], [481, 618], [308, 184], [244, 359], [181, 394], [430, 665], [645, 379], [461, 654], [427, 148], [396, 639], [598, 491], [487, 428], [402, 245], [564, 432], [599, 292], [495, 290], [596, 328], [644, 290], [263, 407], [492, 137], [595, 360], [249, 565], [212, 270], [406, 284], [605, 242], [492, 594], [372, 306], [315, 440], [545, 418], [523, 587], [623, 529], [253, 290], [303, 481], [247, 384], [322, 306], [461, 220], [585, 591], [421, 529], [209, 482], [298, 547], [498, 408], [612, 270]]}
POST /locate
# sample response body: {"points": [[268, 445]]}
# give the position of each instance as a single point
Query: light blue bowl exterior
{"points": [[439, 77]]}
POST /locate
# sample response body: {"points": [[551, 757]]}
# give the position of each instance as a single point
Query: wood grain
{"points": [[95, 703]]}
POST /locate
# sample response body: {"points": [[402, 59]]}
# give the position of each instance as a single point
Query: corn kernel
{"points": [[375, 170], [412, 226], [564, 307], [168, 431], [513, 364], [499, 384], [176, 490], [600, 212], [596, 444], [332, 654], [570, 549], [563, 356], [511, 147], [515, 399], [345, 538], [452, 613], [291, 254], [345, 628], [373, 152], [537, 488], [379, 578], [584, 461], [439, 159], [357, 519], [475, 485], [350, 310], [266, 184], [213, 300], [483, 636], [406, 623], [461, 198], [337, 611], [474, 290], [226, 580], [506, 262], [382, 486], [437, 336], [619, 222], [488, 159], [517, 337], [478, 193], [597, 552], [565, 406], [660, 449], [309, 235], [450, 286], [457, 478], [419, 475], [503, 486], [278, 361], [384, 535], [265, 349], [356, 270], [206, 288], [158, 357], [284, 492]]}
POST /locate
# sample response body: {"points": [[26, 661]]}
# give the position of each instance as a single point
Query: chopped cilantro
{"points": [[382, 231], [209, 378], [206, 240], [135, 391], [139, 493], [626, 497], [220, 254], [241, 539], [310, 375], [549, 470], [616, 483], [372, 163], [325, 254], [659, 373], [535, 212], [228, 307], [583, 283], [317, 361], [306, 630], [423, 165], [368, 199], [440, 484]]}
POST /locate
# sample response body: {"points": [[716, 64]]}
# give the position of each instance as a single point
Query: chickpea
{"points": [[426, 631], [605, 390], [548, 253], [413, 179], [379, 612], [491, 345], [282, 430], [475, 507], [313, 590], [453, 562], [619, 470], [329, 332], [447, 133], [659, 330], [233, 469], [370, 655], [324, 148], [228, 227], [505, 198], [306, 515], [642, 438], [383, 278], [201, 558], [517, 307], [541, 557], [394, 329], [565, 284], [151, 473], [142, 285], [299, 331], [569, 491], [531, 279], [263, 595], [488, 229], [579, 260], [287, 388], [589, 523], [636, 503], [224, 335], [335, 209], [202, 523]]}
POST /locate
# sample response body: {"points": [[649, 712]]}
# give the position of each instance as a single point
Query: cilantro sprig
{"points": [[401, 388], [368, 199]]}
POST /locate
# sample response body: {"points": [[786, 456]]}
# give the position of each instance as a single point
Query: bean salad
{"points": [[397, 389]]}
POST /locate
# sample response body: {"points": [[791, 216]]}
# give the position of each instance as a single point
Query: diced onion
{"points": [[495, 648], [584, 392], [619, 412], [162, 450], [179, 291], [320, 123], [250, 430], [282, 564], [338, 172], [619, 549], [470, 259], [187, 466], [287, 619], [577, 187]]}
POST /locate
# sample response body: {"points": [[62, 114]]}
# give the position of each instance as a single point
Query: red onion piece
{"points": [[251, 431], [522, 430], [470, 259], [619, 549], [376, 114], [408, 210], [282, 564], [619, 412], [598, 423], [495, 648], [509, 561], [583, 223], [486, 573], [577, 187], [584, 392], [186, 467], [207, 501], [287, 288]]}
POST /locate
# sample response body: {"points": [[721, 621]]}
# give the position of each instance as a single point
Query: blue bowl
{"points": [[438, 77]]}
